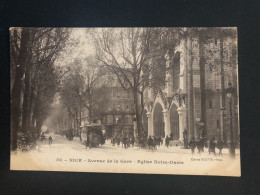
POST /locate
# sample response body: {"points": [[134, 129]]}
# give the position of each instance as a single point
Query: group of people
{"points": [[142, 142], [212, 145], [43, 138], [153, 142], [125, 140]]}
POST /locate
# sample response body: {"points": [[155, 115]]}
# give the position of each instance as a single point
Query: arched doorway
{"points": [[158, 123], [145, 121], [174, 122]]}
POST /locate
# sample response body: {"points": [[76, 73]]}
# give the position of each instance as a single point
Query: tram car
{"points": [[92, 135]]}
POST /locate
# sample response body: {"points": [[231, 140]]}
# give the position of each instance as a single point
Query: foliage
{"points": [[34, 78]]}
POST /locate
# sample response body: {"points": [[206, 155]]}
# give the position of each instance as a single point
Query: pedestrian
{"points": [[192, 145], [154, 142], [88, 141], [150, 142], [200, 146], [50, 140], [43, 137], [125, 142], [112, 141], [220, 146], [128, 141], [159, 141], [167, 141], [132, 141], [212, 146], [122, 140]]}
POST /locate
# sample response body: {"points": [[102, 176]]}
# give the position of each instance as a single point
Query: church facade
{"points": [[194, 100]]}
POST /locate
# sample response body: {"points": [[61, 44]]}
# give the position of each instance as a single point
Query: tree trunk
{"points": [[34, 113], [80, 116], [190, 94], [222, 87], [17, 87], [142, 110], [31, 110], [203, 101], [77, 125], [26, 100], [222, 72], [137, 114], [39, 122], [90, 113]]}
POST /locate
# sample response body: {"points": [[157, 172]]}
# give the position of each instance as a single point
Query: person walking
{"points": [[150, 142], [167, 141], [192, 145], [154, 142], [50, 140], [220, 147], [118, 141], [212, 146], [200, 146], [124, 142]]}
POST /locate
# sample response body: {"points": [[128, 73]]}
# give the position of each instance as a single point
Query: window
{"points": [[114, 93], [110, 119], [118, 93], [210, 104], [218, 125], [109, 106]]}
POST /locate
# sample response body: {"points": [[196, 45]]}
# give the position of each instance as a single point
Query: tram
{"points": [[92, 135]]}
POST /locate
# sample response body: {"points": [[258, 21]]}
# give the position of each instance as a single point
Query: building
{"points": [[118, 111], [198, 72]]}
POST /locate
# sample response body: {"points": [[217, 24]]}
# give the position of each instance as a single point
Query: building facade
{"points": [[118, 114], [198, 72]]}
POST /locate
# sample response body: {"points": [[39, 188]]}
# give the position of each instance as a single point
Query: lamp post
{"points": [[223, 137], [230, 93]]}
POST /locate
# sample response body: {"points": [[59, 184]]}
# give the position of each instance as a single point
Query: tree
{"points": [[20, 59], [71, 90], [42, 77], [84, 87], [198, 42], [35, 78], [133, 55]]}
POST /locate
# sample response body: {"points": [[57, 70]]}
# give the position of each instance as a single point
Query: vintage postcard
{"points": [[125, 100]]}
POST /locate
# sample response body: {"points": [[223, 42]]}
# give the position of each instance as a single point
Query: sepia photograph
{"points": [[153, 100]]}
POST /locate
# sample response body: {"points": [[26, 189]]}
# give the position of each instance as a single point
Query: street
{"points": [[66, 155]]}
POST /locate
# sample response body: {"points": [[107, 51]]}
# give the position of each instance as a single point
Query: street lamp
{"points": [[230, 92]]}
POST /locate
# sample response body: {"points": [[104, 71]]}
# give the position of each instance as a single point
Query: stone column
{"points": [[166, 118], [150, 123], [182, 121]]}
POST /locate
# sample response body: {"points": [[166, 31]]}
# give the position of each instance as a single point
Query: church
{"points": [[200, 96]]}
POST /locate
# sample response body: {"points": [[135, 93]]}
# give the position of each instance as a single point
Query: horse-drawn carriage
{"points": [[92, 136]]}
